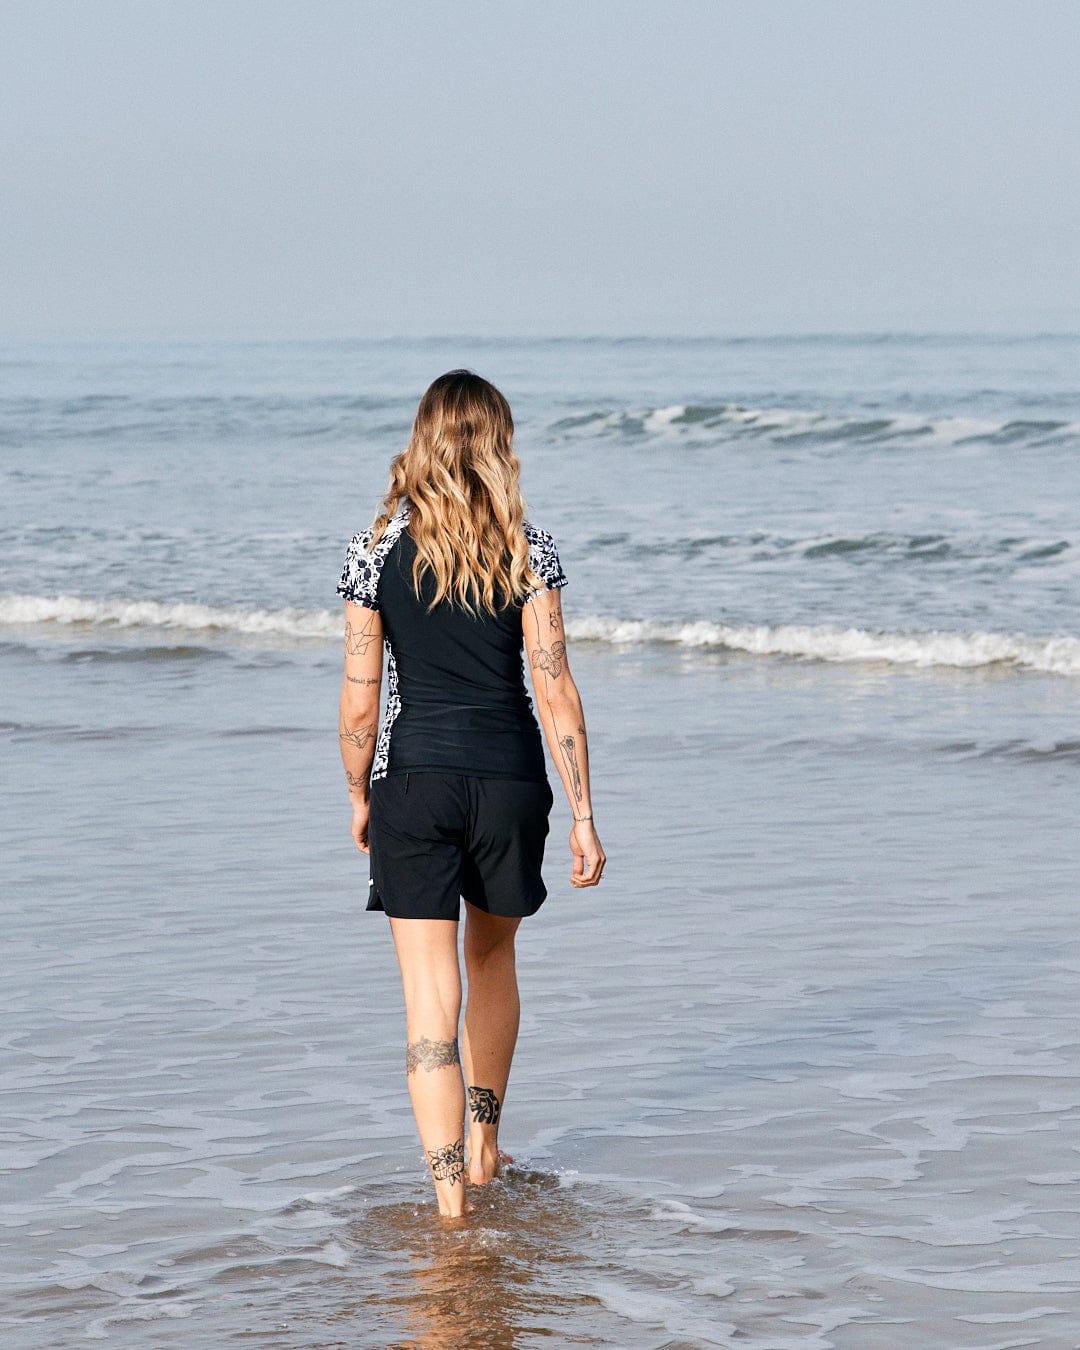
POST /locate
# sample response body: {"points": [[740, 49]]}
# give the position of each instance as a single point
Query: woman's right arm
{"points": [[558, 705]]}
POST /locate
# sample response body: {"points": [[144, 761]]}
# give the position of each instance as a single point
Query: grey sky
{"points": [[307, 167]]}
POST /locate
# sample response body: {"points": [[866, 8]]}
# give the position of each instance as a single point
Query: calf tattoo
{"points": [[448, 1163], [484, 1106], [425, 1054]]}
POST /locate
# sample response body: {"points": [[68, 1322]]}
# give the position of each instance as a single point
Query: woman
{"points": [[450, 795]]}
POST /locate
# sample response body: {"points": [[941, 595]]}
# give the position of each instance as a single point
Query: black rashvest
{"points": [[456, 697]]}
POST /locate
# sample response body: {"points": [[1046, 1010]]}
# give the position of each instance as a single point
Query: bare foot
{"points": [[485, 1163]]}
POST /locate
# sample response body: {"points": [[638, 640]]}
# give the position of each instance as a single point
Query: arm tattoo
{"points": [[555, 618], [551, 661], [448, 1163], [357, 642], [353, 680], [358, 736], [567, 746], [355, 780], [425, 1054], [484, 1106]]}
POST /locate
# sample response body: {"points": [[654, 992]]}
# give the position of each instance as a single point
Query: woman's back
{"points": [[457, 698]]}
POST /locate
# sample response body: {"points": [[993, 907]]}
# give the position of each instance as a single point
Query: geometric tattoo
{"points": [[566, 744], [357, 643], [360, 736], [551, 661], [484, 1106], [448, 1164], [425, 1054]]}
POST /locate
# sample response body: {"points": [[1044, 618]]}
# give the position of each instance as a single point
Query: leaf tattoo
{"points": [[550, 661]]}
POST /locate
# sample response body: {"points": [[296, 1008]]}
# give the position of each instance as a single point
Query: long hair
{"points": [[461, 480]]}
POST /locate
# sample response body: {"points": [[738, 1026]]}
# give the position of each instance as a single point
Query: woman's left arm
{"points": [[359, 712]]}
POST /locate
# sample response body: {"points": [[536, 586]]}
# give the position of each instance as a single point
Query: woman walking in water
{"points": [[450, 795]]}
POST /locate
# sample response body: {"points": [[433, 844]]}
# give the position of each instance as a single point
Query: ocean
{"points": [[803, 1074]]}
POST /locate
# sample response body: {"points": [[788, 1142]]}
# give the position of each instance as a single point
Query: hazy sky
{"points": [[374, 167]]}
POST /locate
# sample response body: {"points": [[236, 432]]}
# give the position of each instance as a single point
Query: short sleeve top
{"points": [[456, 695]]}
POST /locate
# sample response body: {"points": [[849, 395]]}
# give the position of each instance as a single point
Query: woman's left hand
{"points": [[588, 854]]}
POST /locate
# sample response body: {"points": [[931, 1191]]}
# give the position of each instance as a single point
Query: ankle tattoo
{"points": [[484, 1106], [448, 1163], [425, 1054]]}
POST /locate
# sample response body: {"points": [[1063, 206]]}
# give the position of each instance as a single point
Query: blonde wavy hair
{"points": [[461, 480]]}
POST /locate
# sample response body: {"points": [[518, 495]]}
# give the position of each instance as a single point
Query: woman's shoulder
{"points": [[363, 563], [544, 555]]}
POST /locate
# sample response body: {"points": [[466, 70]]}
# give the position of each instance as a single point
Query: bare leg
{"points": [[491, 1027], [428, 957]]}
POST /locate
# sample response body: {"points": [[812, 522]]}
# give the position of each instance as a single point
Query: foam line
{"points": [[818, 642]]}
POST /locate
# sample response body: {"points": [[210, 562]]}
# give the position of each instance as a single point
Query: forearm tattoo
{"points": [[484, 1106], [555, 619], [358, 640], [355, 780], [569, 748], [359, 736], [448, 1163], [550, 661], [376, 679], [425, 1054]]}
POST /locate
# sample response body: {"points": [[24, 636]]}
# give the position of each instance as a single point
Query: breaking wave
{"points": [[813, 642], [793, 426]]}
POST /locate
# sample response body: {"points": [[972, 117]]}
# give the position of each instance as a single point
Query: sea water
{"points": [[803, 1072]]}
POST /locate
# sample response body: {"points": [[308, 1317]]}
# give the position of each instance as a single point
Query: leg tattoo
{"points": [[425, 1054], [484, 1106], [448, 1163]]}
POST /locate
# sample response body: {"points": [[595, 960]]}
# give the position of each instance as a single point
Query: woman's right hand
{"points": [[588, 853]]}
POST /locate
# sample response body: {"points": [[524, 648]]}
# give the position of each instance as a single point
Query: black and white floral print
{"points": [[360, 584], [360, 575], [544, 558], [393, 707]]}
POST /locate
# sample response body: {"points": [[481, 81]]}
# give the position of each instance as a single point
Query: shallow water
{"points": [[804, 1071]]}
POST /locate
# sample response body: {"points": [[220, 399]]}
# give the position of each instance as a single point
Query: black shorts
{"points": [[437, 838]]}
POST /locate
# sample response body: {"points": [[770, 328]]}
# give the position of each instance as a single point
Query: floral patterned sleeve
{"points": [[360, 575], [544, 558]]}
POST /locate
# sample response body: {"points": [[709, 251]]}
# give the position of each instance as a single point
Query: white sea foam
{"points": [[1056, 655], [70, 611], [733, 421], [818, 642]]}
